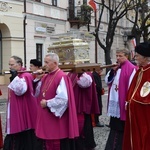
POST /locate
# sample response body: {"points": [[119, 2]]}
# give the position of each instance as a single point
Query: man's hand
{"points": [[39, 73], [43, 103], [115, 67]]}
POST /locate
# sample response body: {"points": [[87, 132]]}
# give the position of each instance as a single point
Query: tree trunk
{"points": [[107, 58]]}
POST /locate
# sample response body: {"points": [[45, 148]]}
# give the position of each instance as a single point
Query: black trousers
{"points": [[115, 138]]}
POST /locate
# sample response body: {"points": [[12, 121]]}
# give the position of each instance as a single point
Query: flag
{"points": [[92, 4], [0, 92]]}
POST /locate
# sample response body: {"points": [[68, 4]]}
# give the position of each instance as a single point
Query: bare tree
{"points": [[141, 21], [117, 9]]}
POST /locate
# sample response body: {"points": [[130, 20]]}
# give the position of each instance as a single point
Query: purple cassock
{"points": [[86, 98], [21, 109], [48, 126]]}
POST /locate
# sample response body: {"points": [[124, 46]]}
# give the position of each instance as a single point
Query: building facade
{"points": [[29, 27]]}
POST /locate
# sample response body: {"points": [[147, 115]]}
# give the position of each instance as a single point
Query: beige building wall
{"points": [[11, 26]]}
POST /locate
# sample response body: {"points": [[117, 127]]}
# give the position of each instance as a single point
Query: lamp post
{"points": [[125, 39]]}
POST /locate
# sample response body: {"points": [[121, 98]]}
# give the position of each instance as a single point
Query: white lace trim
{"points": [[84, 81], [113, 109], [59, 103], [18, 85], [58, 106]]}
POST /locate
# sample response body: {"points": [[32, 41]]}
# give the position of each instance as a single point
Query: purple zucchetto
{"points": [[143, 49]]}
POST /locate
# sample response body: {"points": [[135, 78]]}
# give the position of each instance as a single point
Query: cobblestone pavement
{"points": [[100, 133]]}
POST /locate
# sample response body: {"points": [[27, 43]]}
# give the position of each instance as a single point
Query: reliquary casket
{"points": [[71, 50]]}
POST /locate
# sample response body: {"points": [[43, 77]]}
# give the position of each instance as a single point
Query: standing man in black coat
{"points": [[98, 82]]}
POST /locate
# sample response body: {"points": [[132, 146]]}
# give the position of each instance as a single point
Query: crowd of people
{"points": [[53, 110], [49, 111]]}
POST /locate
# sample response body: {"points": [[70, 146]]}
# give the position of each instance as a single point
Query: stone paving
{"points": [[100, 133]]}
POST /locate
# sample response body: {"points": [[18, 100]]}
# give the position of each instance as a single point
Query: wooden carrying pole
{"points": [[78, 68]]}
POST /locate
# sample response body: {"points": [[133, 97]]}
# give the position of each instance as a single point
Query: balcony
{"points": [[79, 15]]}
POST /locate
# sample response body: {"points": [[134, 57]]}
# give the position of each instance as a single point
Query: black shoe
{"points": [[99, 124]]}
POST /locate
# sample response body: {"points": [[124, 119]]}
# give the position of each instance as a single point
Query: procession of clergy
{"points": [[53, 110]]}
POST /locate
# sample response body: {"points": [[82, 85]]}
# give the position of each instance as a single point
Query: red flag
{"points": [[0, 92], [92, 4]]}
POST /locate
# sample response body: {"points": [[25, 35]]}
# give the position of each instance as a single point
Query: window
{"points": [[71, 9], [84, 1], [54, 2], [39, 51]]}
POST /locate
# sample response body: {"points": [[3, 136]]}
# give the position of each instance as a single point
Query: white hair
{"points": [[54, 57]]}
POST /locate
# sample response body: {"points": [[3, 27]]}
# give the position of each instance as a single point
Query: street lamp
{"points": [[125, 39]]}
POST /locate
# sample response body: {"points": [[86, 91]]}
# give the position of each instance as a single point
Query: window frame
{"points": [[54, 2]]}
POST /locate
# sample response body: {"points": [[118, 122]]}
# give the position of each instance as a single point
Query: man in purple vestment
{"points": [[21, 109], [56, 123], [86, 104], [118, 80]]}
